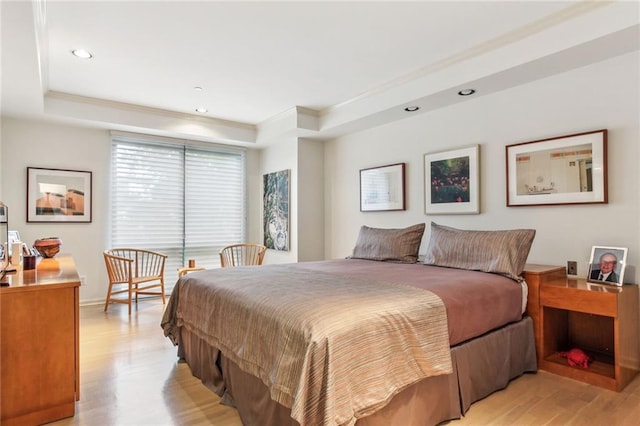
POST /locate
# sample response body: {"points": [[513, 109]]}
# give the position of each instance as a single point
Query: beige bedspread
{"points": [[331, 347]]}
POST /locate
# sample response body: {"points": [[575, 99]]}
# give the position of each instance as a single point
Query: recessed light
{"points": [[82, 54], [466, 92], [412, 108], [201, 110], [198, 89]]}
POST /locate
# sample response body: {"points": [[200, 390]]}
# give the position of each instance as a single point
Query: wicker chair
{"points": [[242, 254], [133, 271]]}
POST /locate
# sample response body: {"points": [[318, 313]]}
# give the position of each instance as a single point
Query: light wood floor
{"points": [[129, 375]]}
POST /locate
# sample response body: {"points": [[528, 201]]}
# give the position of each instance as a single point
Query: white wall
{"points": [[305, 159], [283, 156], [28, 143], [33, 144], [254, 197], [310, 200], [603, 95]]}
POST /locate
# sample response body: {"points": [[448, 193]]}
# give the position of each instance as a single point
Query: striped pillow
{"points": [[389, 245], [500, 252]]}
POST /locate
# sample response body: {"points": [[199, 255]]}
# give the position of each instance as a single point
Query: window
{"points": [[187, 201]]}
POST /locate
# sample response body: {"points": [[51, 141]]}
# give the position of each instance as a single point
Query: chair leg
{"points": [[130, 285], [162, 290], [106, 303]]}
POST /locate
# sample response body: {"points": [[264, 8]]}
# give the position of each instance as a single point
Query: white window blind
{"points": [[185, 201]]}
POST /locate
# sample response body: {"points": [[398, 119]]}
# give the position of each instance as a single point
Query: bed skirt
{"points": [[481, 366]]}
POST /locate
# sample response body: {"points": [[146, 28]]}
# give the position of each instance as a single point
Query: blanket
{"points": [[331, 347]]}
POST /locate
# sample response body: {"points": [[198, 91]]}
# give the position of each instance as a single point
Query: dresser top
{"points": [[536, 269], [58, 271]]}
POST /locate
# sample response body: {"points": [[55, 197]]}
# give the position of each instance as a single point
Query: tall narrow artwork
{"points": [[276, 210]]}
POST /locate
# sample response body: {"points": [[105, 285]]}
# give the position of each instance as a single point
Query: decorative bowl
{"points": [[48, 247]]}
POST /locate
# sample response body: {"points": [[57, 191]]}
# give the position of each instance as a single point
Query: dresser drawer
{"points": [[580, 300]]}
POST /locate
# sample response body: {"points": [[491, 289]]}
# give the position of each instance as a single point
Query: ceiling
{"points": [[269, 70]]}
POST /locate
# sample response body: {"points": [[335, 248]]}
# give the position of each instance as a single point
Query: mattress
{"points": [[476, 302]]}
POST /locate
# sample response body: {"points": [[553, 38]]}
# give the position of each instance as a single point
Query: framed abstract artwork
{"points": [[55, 195], [276, 210]]}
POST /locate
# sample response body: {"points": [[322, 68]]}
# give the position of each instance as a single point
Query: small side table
{"points": [[600, 319], [536, 276]]}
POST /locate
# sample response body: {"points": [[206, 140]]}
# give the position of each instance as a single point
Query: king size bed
{"points": [[375, 339]]}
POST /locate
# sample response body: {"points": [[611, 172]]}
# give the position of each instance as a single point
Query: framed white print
{"points": [[55, 195], [607, 265], [568, 169], [13, 237], [382, 188], [452, 181]]}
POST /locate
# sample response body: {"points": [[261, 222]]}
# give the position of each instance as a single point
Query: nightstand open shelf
{"points": [[599, 367], [601, 320], [564, 329]]}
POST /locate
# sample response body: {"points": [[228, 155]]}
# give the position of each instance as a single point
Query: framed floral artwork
{"points": [[452, 181]]}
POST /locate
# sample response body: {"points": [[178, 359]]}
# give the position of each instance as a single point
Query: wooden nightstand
{"points": [[536, 276], [600, 319]]}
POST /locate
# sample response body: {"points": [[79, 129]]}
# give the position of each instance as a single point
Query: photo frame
{"points": [[382, 188], [57, 195], [275, 214], [13, 237], [607, 265], [452, 181], [569, 169]]}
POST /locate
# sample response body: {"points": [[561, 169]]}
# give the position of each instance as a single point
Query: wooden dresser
{"points": [[39, 333]]}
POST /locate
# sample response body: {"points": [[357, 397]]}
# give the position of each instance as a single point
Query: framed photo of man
{"points": [[607, 265]]}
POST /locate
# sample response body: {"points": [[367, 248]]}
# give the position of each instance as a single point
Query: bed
{"points": [[375, 339]]}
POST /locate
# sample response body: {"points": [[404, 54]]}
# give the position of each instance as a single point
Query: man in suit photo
{"points": [[606, 269]]}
